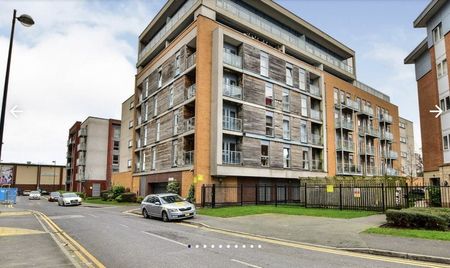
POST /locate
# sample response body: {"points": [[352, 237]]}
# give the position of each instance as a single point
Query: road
{"points": [[122, 240]]}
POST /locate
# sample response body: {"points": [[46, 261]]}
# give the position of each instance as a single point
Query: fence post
{"points": [[242, 194], [306, 196], [213, 195], [285, 194], [265, 194], [203, 195], [340, 196], [382, 197], [407, 195], [256, 194], [276, 195]]}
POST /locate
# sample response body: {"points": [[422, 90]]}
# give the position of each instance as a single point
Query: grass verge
{"points": [[414, 233], [102, 202], [227, 212]]}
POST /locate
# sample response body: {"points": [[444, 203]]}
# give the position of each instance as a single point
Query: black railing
{"points": [[376, 197]]}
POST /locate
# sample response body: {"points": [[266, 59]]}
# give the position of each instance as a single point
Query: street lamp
{"points": [[54, 168], [26, 21]]}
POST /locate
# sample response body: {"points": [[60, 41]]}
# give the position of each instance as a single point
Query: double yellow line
{"points": [[85, 257]]}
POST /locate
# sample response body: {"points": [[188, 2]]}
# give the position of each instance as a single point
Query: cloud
{"points": [[77, 61]]}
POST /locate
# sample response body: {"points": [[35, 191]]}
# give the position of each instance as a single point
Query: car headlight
{"points": [[172, 210]]}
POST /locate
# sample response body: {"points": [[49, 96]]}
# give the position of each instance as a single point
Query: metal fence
{"points": [[378, 197]]}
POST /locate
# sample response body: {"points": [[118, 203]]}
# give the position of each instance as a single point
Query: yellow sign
{"points": [[330, 188], [356, 192], [198, 178]]}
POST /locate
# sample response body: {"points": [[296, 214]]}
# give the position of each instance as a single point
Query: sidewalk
{"points": [[331, 232]]}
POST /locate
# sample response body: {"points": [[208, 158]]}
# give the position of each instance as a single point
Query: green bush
{"points": [[105, 195], [415, 219], [117, 190], [435, 196], [126, 197], [81, 194], [173, 187], [139, 199], [441, 212], [191, 194]]}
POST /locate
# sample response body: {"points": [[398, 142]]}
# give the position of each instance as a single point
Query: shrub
{"points": [[415, 219], [81, 194], [191, 194], [126, 197], [105, 195], [435, 196], [173, 187], [117, 190], [441, 212], [139, 199]]}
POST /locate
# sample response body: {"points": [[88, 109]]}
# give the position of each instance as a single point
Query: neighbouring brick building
{"points": [[245, 92]]}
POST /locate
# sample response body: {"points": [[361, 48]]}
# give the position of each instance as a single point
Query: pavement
{"points": [[117, 239]]}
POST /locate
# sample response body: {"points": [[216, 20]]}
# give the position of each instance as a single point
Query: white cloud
{"points": [[78, 60]]}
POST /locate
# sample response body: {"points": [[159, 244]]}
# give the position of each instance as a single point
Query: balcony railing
{"points": [[347, 169], [232, 91], [261, 24], [316, 114], [391, 172], [389, 154], [190, 91], [348, 103], [368, 150], [385, 135], [314, 90], [264, 160], [81, 146], [316, 165], [344, 124], [231, 157], [189, 124], [366, 110], [344, 145], [386, 118], [316, 139], [190, 61], [81, 161], [232, 123], [371, 170], [188, 158], [82, 132], [232, 59]]}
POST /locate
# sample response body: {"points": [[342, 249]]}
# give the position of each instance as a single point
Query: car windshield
{"points": [[35, 192], [55, 194], [171, 199], [69, 195]]}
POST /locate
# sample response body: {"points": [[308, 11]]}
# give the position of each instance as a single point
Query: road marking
{"points": [[165, 238], [6, 231], [320, 249], [126, 226], [14, 213], [62, 217], [246, 263]]}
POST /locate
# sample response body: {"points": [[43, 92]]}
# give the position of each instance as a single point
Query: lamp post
{"points": [[54, 168], [26, 21]]}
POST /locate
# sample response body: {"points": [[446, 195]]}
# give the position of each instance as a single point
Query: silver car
{"points": [[167, 206], [69, 199], [34, 195]]}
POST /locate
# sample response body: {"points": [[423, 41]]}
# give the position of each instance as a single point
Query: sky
{"points": [[79, 58]]}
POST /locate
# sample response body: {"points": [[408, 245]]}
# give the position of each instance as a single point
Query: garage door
{"points": [[96, 189], [158, 188]]}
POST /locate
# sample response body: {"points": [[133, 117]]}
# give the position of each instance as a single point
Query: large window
{"points": [[158, 128], [286, 101], [336, 96], [264, 153], [302, 79], [269, 94], [116, 145], [153, 158], [145, 134], [177, 63], [303, 132], [437, 33], [304, 105], [159, 78], [176, 122], [305, 160], [264, 67], [289, 74], [174, 153], [286, 157], [269, 124], [171, 96], [155, 106], [145, 87], [286, 128]]}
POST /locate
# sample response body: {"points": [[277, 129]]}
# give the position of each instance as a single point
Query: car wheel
{"points": [[145, 214], [165, 218]]}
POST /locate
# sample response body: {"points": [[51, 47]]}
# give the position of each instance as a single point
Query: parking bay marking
{"points": [[165, 238], [62, 217], [246, 263]]}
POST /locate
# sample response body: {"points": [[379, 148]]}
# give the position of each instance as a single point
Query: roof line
{"points": [[417, 51]]}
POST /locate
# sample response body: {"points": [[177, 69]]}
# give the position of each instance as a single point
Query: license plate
{"points": [[186, 214]]}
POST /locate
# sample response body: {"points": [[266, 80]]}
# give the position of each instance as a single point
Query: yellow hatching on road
{"points": [[7, 231]]}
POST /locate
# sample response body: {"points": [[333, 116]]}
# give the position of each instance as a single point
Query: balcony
{"points": [[391, 172], [81, 147], [190, 91], [68, 155], [370, 131], [232, 91], [344, 124], [385, 118], [348, 169], [371, 170], [189, 124], [69, 142], [188, 158], [348, 104], [368, 150], [316, 115], [81, 161], [232, 124], [316, 165], [366, 110], [345, 145], [190, 61], [232, 59], [82, 132], [316, 139], [385, 135], [389, 154], [314, 90], [231, 157]]}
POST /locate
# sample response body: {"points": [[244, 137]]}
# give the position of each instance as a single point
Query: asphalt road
{"points": [[121, 240]]}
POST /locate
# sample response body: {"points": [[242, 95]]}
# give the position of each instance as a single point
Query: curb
{"points": [[379, 252]]}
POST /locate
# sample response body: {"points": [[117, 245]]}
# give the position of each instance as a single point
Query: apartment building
{"points": [[245, 92], [408, 165], [431, 68], [92, 155]]}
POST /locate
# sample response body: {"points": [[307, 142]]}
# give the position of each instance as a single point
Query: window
{"points": [[145, 135], [130, 143], [155, 106], [437, 33], [131, 105], [129, 163], [286, 128], [288, 74], [286, 157], [177, 63], [305, 162], [115, 159], [176, 122], [303, 132], [442, 68], [130, 124], [402, 139], [264, 153], [446, 145], [443, 104], [159, 78], [269, 124], [116, 145], [404, 154], [174, 153], [302, 79], [143, 162], [286, 101], [402, 125], [171, 96], [157, 129], [304, 105], [153, 158], [336, 96], [145, 111], [145, 87], [264, 67], [447, 102], [269, 94]]}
